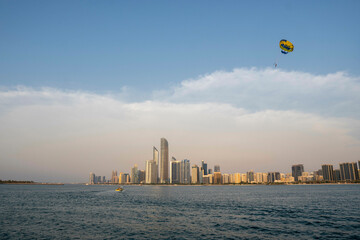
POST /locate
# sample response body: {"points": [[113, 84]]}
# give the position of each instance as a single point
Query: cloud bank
{"points": [[260, 119]]}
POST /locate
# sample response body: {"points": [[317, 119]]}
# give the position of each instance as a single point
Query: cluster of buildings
{"points": [[159, 170]]}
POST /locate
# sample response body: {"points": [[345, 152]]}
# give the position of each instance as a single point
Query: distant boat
{"points": [[119, 189]]}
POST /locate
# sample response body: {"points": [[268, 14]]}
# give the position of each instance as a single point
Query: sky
{"points": [[92, 86]]}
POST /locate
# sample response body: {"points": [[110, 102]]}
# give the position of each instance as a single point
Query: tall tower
{"points": [[328, 172], [156, 160], [297, 171], [164, 161]]}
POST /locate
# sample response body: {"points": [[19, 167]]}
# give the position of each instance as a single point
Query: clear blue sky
{"points": [[104, 45]]}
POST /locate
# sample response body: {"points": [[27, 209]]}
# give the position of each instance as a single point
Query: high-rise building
{"points": [[135, 174], [92, 178], [337, 175], [297, 171], [164, 161], [210, 171], [185, 171], [328, 172], [217, 177], [216, 168], [250, 176], [141, 175], [349, 171], [156, 160], [204, 167], [225, 178], [273, 176], [174, 171], [201, 175], [122, 178], [114, 177], [151, 172], [195, 174], [237, 178]]}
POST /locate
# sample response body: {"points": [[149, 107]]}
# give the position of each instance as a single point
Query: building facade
{"points": [[328, 172], [164, 161], [297, 171]]}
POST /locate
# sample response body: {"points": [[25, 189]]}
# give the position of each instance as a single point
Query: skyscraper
{"points": [[328, 172], [204, 166], [156, 160], [135, 174], [349, 171], [195, 174], [151, 172], [92, 178], [216, 168], [174, 171], [164, 161], [273, 176], [217, 178], [141, 176], [250, 176], [185, 171], [297, 171]]}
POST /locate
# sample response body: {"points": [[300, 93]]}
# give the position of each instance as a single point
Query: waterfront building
{"points": [[201, 174], [244, 177], [265, 177], [92, 178], [237, 178], [185, 171], [306, 177], [211, 178], [289, 178], [225, 178], [135, 174], [328, 172], [273, 177], [258, 178], [141, 176], [122, 178], [194, 174], [151, 172], [297, 171], [250, 176], [216, 168], [103, 179], [217, 178], [114, 177], [204, 167], [164, 161], [156, 160], [337, 175], [175, 171], [349, 171], [206, 179]]}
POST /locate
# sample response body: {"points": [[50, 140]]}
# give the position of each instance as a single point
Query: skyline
{"points": [[91, 86]]}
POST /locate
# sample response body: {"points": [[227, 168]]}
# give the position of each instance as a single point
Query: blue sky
{"points": [[104, 45], [93, 85]]}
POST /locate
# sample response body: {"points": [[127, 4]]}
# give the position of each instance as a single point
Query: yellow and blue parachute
{"points": [[286, 46]]}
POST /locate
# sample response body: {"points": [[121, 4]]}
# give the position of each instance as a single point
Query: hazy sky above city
{"points": [[93, 85]]}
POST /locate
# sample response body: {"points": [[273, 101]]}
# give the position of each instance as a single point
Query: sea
{"points": [[180, 212]]}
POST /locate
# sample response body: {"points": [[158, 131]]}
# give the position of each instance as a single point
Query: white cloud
{"points": [[62, 135], [255, 89]]}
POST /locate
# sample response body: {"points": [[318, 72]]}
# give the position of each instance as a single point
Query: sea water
{"points": [[180, 212]]}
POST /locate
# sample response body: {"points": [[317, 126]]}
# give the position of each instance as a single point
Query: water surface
{"points": [[180, 212]]}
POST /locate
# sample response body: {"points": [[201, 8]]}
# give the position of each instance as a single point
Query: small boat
{"points": [[119, 189]]}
